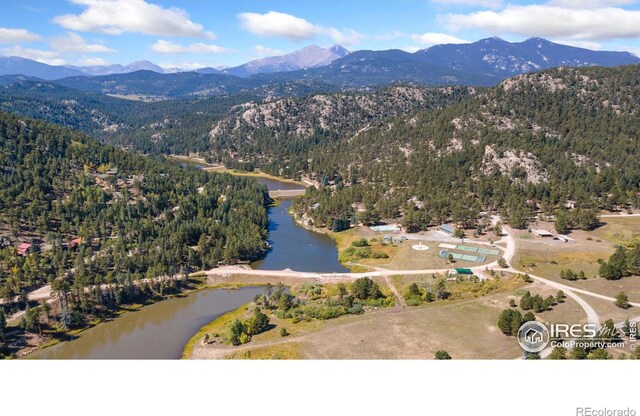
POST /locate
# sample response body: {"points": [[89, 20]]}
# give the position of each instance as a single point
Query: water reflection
{"points": [[158, 331]]}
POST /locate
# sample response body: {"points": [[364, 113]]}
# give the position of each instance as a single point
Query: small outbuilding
{"points": [[566, 238], [542, 233], [447, 228]]}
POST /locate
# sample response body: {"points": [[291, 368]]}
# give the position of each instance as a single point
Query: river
{"points": [[161, 330], [158, 331], [297, 248], [293, 246]]}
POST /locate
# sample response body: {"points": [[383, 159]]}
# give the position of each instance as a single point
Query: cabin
{"points": [[566, 238], [24, 249], [542, 233], [447, 229]]}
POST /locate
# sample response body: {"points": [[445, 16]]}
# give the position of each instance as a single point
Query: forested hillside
{"points": [[277, 135], [416, 154], [95, 214], [534, 142], [190, 85], [159, 127]]}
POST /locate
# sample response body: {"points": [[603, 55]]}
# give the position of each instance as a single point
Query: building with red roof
{"points": [[23, 249]]}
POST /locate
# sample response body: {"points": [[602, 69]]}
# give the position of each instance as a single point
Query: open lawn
{"points": [[619, 230], [401, 256], [567, 311], [608, 310], [547, 258], [629, 285], [284, 351], [466, 329]]}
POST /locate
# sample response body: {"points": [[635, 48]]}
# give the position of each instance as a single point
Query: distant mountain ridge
{"points": [[15, 65], [497, 57], [98, 70], [310, 57], [482, 63]]}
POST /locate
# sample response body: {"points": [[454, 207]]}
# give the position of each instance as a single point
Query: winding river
{"points": [[158, 331], [297, 248], [161, 330]]}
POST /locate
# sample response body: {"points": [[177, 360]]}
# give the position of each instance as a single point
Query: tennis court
{"points": [[458, 256]]}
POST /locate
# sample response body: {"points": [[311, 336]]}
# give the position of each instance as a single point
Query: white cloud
{"points": [[277, 24], [589, 4], [72, 42], [16, 35], [436, 39], [553, 22], [136, 16], [47, 57], [283, 25], [163, 46], [264, 51], [579, 44], [344, 37], [474, 3], [92, 61]]}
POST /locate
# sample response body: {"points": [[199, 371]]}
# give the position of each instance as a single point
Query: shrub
{"points": [[442, 355], [356, 309], [360, 243]]}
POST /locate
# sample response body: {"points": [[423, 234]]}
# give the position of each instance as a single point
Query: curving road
{"points": [[509, 251]]}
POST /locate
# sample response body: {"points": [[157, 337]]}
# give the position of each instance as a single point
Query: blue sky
{"points": [[198, 33]]}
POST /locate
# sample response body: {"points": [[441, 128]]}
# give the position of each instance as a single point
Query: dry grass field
{"points": [[465, 327], [401, 256]]}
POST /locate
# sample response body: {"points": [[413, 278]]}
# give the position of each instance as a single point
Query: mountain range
{"points": [[482, 63], [497, 57], [120, 69], [310, 57]]}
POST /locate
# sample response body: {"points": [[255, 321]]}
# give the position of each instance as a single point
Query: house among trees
{"points": [[74, 243], [24, 248]]}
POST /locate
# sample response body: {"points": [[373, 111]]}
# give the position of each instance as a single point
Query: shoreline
{"points": [[206, 284], [187, 350], [136, 307], [214, 168], [324, 231]]}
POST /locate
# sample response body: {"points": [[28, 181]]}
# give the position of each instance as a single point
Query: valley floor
{"points": [[465, 328]]}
